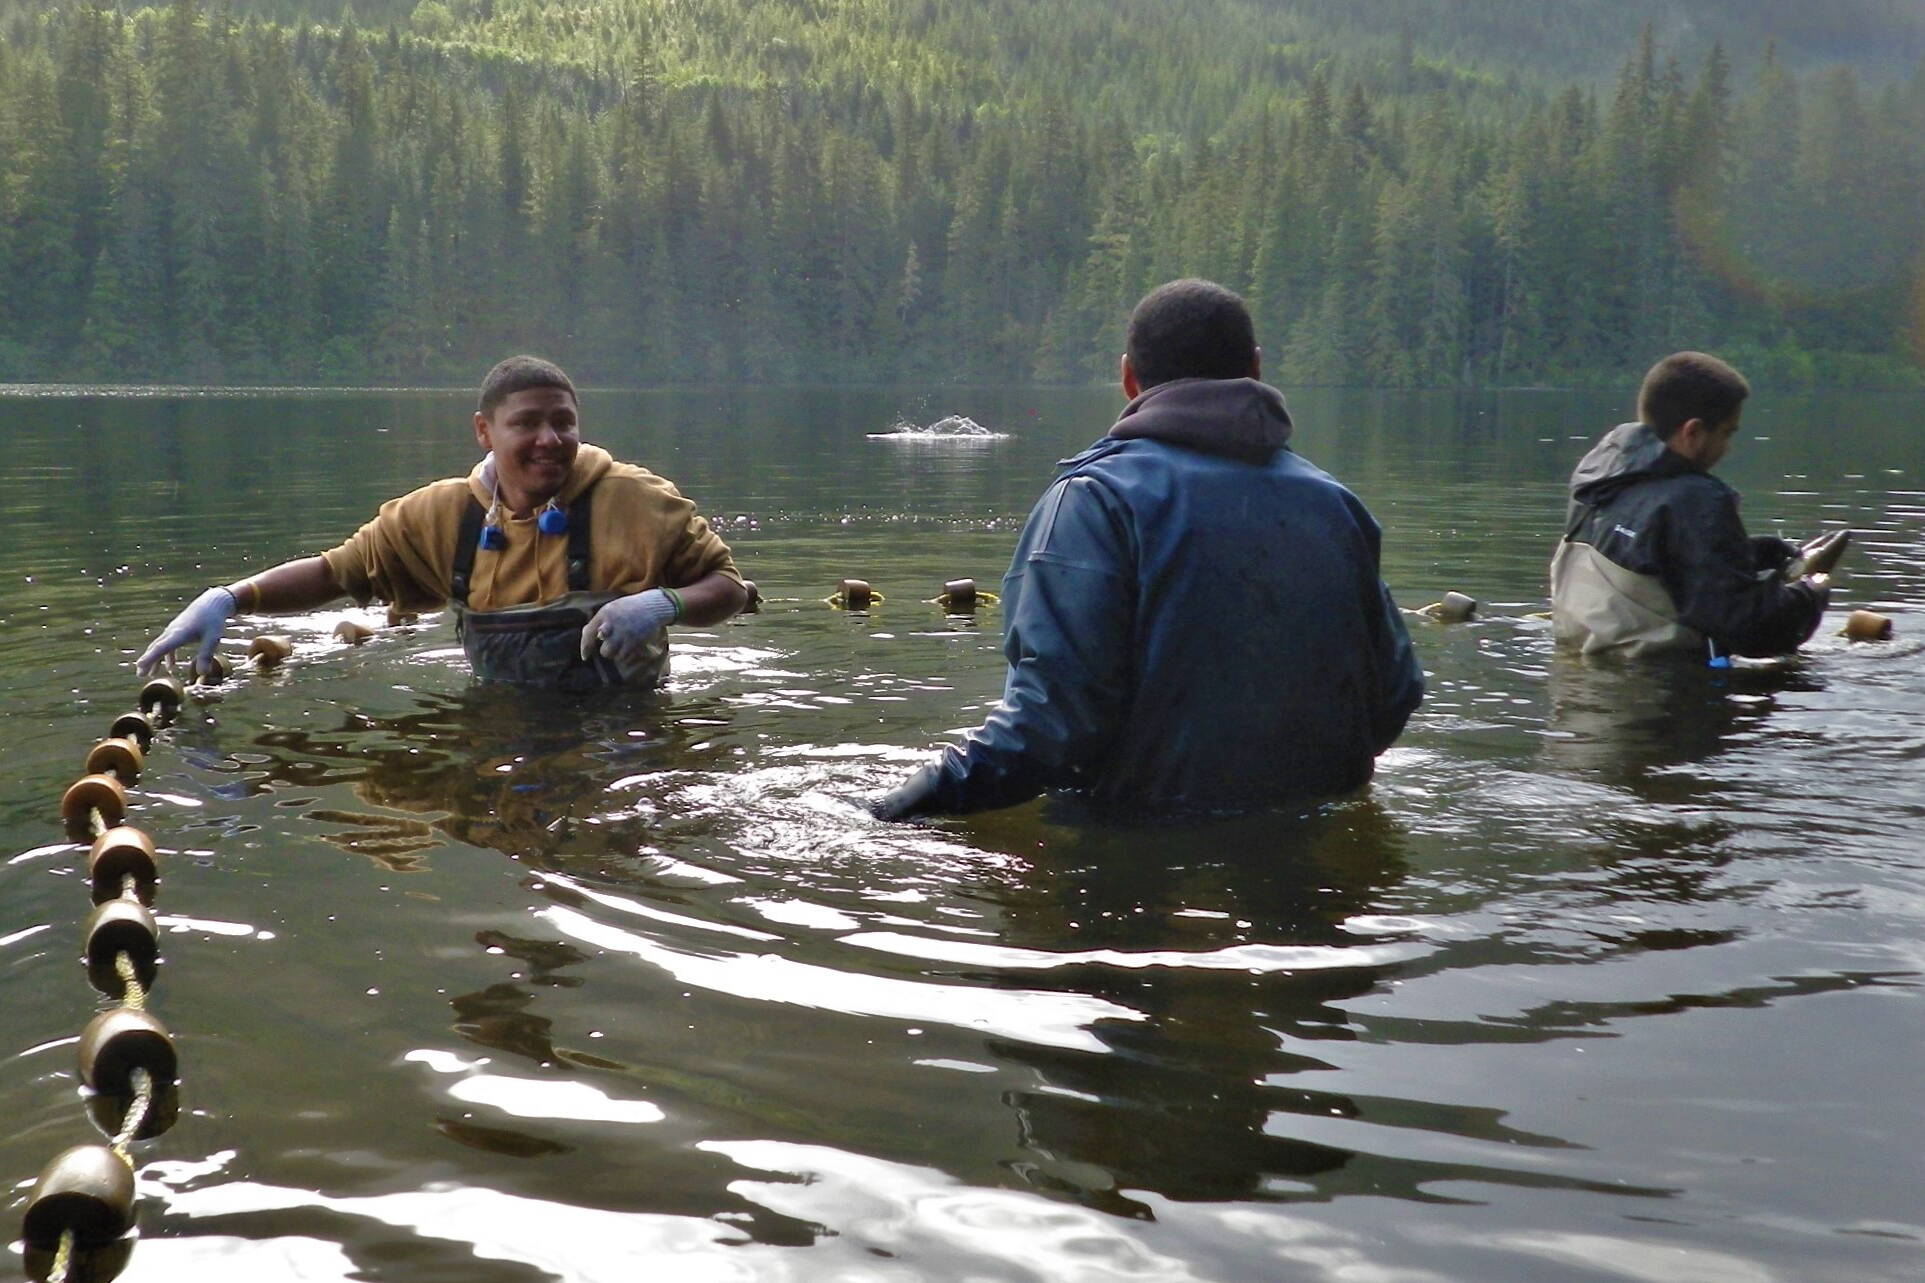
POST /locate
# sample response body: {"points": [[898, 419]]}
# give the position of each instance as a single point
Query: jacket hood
{"points": [[1629, 452], [1241, 419], [591, 462]]}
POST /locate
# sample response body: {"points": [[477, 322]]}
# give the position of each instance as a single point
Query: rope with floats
{"points": [[82, 1206], [958, 597]]}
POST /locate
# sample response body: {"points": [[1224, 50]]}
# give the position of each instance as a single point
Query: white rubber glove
{"points": [[199, 626], [622, 628]]}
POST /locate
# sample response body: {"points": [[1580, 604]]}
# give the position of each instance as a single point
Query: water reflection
{"points": [[494, 767], [1152, 1007], [1629, 725], [1184, 1104], [1216, 1094]]}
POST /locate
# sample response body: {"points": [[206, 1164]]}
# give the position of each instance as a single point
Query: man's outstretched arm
{"points": [[302, 584], [1709, 568], [1069, 610], [711, 599]]}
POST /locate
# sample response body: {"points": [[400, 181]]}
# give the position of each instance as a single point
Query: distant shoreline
{"points": [[161, 391]]}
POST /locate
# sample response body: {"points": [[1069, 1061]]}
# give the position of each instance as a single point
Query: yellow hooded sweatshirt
{"points": [[642, 534]]}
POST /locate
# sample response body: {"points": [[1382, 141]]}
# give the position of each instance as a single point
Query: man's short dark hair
{"points": [[1686, 386], [1190, 329], [517, 374]]}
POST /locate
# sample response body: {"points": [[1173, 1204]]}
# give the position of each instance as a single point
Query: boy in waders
{"points": [[1655, 557], [564, 567]]}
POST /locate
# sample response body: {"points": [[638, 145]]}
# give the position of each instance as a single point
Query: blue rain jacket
{"points": [[1193, 619]]}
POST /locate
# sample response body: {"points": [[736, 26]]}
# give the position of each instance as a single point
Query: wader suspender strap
{"points": [[466, 541], [469, 538], [578, 542]]}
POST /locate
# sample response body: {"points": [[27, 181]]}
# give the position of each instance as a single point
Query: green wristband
{"points": [[675, 597]]}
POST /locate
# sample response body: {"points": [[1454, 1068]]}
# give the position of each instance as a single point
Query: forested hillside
{"points": [[1479, 191]]}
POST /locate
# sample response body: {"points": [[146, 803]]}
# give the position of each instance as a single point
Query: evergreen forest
{"points": [[1437, 193]]}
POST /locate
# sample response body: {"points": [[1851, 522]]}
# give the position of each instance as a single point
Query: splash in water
{"points": [[951, 427]]}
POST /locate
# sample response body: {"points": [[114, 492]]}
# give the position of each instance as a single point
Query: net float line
{"points": [[961, 597], [1454, 608], [83, 1204], [1867, 625], [854, 594], [958, 596]]}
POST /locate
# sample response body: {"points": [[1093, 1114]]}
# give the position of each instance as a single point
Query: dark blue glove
{"points": [[915, 796]]}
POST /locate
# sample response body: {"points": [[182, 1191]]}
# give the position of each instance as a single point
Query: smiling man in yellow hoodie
{"points": [[564, 567]]}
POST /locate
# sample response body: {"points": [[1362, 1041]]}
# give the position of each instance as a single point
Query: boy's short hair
{"points": [[1190, 329], [517, 374], [1686, 386]]}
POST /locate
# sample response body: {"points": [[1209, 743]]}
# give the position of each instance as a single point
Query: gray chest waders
{"points": [[540, 646]]}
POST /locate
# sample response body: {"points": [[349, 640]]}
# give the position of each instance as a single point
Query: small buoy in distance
{"points": [[1867, 626], [115, 927], [958, 595], [270, 649], [120, 758], [90, 793], [137, 727], [86, 1190], [352, 633], [213, 672], [1455, 608], [855, 594], [117, 854], [120, 1040], [162, 696]]}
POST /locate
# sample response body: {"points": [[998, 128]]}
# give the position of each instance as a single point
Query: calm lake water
{"points": [[1612, 975]]}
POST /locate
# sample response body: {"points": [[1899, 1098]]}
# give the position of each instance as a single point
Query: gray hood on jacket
{"points": [[1243, 419], [1629, 452]]}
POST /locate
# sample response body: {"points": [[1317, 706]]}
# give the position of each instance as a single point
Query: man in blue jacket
{"points": [[1193, 617]]}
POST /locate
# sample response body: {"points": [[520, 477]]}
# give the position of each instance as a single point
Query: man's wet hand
{"points": [[915, 796]]}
